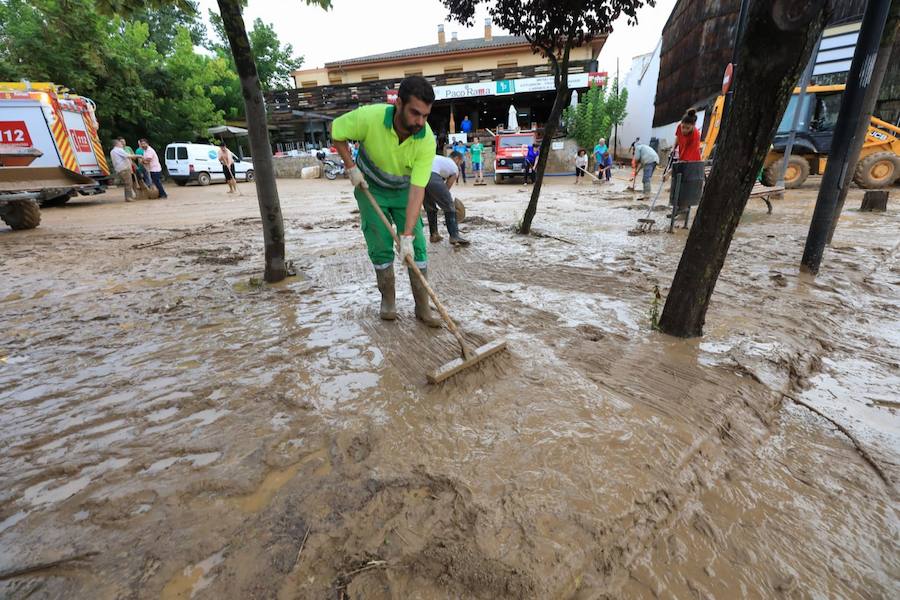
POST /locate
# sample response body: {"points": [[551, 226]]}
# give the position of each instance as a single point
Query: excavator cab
{"points": [[879, 159]]}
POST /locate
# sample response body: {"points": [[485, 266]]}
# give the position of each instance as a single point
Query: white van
{"points": [[200, 162]]}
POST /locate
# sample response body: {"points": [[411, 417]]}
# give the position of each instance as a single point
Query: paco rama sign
{"points": [[504, 87], [464, 90]]}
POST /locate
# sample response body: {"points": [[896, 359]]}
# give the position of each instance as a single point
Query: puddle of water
{"points": [[162, 414], [39, 494], [192, 579], [205, 417], [12, 520], [161, 465], [202, 460], [273, 482]]}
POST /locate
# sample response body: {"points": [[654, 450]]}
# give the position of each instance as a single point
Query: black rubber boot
{"points": [[420, 294], [385, 279], [453, 228], [433, 226]]}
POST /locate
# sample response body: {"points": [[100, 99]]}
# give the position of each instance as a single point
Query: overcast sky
{"points": [[359, 27]]}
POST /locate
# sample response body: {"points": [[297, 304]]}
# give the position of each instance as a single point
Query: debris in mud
{"points": [[643, 206], [215, 256], [541, 234], [476, 221]]}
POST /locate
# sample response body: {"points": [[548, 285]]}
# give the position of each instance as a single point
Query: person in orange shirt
{"points": [[687, 137]]}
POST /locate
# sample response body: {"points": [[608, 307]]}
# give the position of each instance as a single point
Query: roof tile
{"points": [[498, 41]]}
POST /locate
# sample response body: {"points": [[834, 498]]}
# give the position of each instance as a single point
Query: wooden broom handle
{"points": [[411, 263]]}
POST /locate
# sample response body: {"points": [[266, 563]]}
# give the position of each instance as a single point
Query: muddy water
{"points": [[209, 437]]}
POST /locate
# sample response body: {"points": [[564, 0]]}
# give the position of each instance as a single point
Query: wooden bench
{"points": [[763, 192]]}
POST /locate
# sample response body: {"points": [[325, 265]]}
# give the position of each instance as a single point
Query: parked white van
{"points": [[200, 162]]}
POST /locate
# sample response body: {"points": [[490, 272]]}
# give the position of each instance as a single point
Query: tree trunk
{"points": [[562, 86], [778, 41], [261, 149], [881, 64]]}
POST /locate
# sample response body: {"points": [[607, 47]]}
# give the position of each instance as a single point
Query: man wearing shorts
{"points": [[477, 150]]}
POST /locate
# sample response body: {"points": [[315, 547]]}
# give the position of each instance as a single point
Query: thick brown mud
{"points": [[172, 428]]}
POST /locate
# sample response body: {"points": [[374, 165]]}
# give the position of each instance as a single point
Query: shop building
{"points": [[477, 78]]}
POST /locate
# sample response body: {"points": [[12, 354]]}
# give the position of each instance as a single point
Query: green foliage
{"points": [[142, 72], [598, 110], [274, 61]]}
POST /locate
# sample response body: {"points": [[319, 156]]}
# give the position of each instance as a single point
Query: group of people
{"points": [[602, 161], [477, 152], [144, 162], [644, 158]]}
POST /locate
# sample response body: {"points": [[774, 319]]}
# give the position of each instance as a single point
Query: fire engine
{"points": [[49, 150], [511, 154]]}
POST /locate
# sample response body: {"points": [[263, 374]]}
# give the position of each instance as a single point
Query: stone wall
{"points": [[290, 167]]}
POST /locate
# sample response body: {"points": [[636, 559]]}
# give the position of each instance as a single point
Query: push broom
{"points": [[468, 356]]}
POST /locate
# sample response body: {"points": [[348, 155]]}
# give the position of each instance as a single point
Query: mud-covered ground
{"points": [[170, 428]]}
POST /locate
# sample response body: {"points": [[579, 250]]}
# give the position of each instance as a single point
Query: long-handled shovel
{"points": [[469, 357]]}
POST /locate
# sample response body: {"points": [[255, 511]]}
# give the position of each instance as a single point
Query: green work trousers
{"points": [[378, 238]]}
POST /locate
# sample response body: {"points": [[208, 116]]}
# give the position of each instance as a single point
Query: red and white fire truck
{"points": [[49, 150], [511, 154]]}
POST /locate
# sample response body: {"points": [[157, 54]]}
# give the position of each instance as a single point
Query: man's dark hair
{"points": [[456, 154], [418, 86], [143, 140], [120, 139]]}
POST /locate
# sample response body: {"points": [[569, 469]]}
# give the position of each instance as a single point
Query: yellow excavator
{"points": [[879, 160]]}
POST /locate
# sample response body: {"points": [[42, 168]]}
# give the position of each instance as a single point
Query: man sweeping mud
{"points": [[396, 149]]}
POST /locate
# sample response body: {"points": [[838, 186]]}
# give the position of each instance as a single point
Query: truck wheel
{"points": [[249, 176], [794, 176], [22, 214], [877, 170], [204, 178]]}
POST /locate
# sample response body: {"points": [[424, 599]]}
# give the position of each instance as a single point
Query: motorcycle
{"points": [[333, 169]]}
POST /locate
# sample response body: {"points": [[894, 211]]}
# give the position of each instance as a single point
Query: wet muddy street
{"points": [[172, 428]]}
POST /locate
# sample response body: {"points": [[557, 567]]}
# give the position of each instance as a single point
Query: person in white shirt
{"points": [[444, 173], [122, 165]]}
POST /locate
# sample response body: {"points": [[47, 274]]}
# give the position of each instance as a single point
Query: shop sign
{"points": [[464, 90], [598, 78], [506, 86]]}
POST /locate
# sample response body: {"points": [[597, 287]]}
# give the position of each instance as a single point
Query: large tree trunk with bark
{"points": [[263, 167], [777, 43], [561, 75]]}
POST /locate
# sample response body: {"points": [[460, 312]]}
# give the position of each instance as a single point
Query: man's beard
{"points": [[411, 128]]}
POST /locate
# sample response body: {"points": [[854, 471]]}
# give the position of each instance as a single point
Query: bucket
{"points": [[687, 183]]}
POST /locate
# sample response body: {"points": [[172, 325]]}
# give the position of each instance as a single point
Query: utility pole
{"points": [[616, 126], [862, 128], [838, 169], [738, 34]]}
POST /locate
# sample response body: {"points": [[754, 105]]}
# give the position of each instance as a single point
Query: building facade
{"points": [[697, 44], [476, 78]]}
